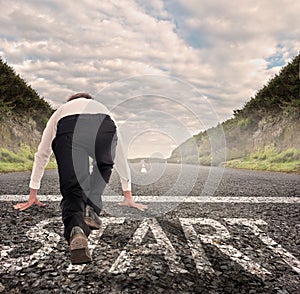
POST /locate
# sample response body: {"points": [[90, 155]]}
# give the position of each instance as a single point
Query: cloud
{"points": [[176, 51]]}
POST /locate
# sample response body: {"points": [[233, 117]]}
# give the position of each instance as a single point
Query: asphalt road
{"points": [[207, 230]]}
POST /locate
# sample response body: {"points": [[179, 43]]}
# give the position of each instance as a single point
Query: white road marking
{"points": [[198, 253], [134, 247], [94, 238], [49, 241], [217, 240], [163, 246], [291, 260], [162, 199]]}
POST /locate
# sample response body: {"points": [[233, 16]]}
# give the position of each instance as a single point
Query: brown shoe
{"points": [[91, 218], [79, 247]]}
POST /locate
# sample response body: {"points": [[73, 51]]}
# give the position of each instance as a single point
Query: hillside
{"points": [[23, 114], [264, 134]]}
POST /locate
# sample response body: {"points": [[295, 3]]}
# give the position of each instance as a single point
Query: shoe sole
{"points": [[80, 256], [91, 223], [79, 251]]}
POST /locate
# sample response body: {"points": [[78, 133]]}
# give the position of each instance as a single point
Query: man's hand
{"points": [[129, 201], [31, 201]]}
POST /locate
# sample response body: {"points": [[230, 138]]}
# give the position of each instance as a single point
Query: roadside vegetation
{"points": [[23, 116], [269, 159], [19, 99], [19, 161]]}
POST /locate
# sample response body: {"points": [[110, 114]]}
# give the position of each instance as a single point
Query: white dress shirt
{"points": [[76, 106]]}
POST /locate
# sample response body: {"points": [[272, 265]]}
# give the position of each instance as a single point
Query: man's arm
{"points": [[123, 170], [41, 160]]}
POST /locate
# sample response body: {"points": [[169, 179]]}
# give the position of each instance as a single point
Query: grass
{"points": [[269, 159], [19, 161]]}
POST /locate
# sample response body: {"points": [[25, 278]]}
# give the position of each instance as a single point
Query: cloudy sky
{"points": [[166, 69]]}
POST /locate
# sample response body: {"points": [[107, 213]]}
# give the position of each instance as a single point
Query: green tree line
{"points": [[280, 95], [18, 99]]}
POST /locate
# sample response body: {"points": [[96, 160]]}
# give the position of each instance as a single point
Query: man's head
{"points": [[80, 95]]}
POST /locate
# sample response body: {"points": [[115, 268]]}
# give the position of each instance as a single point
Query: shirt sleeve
{"points": [[42, 156], [121, 164]]}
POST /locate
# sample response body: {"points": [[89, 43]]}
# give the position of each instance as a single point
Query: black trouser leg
{"points": [[105, 146], [71, 182]]}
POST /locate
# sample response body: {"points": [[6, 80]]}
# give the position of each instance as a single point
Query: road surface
{"points": [[237, 231]]}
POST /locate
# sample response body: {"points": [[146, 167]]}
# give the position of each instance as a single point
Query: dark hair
{"points": [[80, 95]]}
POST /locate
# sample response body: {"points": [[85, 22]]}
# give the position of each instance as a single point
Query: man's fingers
{"points": [[40, 203], [138, 206], [19, 205], [24, 207], [141, 206], [123, 204]]}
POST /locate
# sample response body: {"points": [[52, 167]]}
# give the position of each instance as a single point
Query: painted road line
{"points": [[168, 199], [220, 239], [291, 260], [48, 239], [163, 247], [217, 239], [94, 240]]}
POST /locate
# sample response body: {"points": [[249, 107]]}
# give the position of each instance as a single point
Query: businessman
{"points": [[79, 130]]}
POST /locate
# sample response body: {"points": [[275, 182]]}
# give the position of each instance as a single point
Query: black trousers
{"points": [[78, 138]]}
